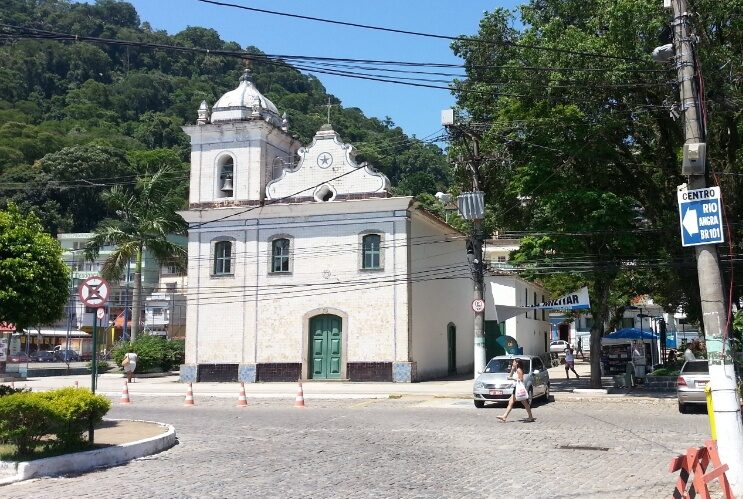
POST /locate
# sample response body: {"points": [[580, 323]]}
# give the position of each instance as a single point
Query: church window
{"points": [[280, 255], [223, 258], [371, 251], [226, 177]]}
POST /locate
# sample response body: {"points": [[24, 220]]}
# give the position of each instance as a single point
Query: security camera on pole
{"points": [[472, 207], [700, 216]]}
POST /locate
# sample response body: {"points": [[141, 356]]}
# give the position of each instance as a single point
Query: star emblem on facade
{"points": [[324, 160]]}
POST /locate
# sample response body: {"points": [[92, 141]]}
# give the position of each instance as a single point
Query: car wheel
{"points": [[479, 404], [683, 408], [547, 393]]}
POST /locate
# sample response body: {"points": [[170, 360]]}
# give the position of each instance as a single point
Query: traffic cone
{"points": [[242, 401], [299, 401], [189, 395], [124, 393]]}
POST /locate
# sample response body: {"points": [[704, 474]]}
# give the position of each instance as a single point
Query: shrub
{"points": [[74, 410], [153, 352], [26, 418], [102, 365], [7, 390]]}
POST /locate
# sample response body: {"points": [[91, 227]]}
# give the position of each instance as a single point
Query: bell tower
{"points": [[234, 146]]}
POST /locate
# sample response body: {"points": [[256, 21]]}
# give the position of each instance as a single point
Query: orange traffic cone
{"points": [[124, 393], [189, 395], [242, 400], [299, 401]]}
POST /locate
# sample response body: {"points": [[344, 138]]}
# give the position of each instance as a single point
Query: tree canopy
{"points": [[582, 153], [34, 280], [63, 107]]}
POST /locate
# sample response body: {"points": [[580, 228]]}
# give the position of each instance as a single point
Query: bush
{"points": [[102, 365], [153, 352], [26, 418], [7, 390], [74, 410]]}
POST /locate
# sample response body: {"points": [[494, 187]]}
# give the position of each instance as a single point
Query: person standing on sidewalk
{"points": [[580, 348], [570, 362]]}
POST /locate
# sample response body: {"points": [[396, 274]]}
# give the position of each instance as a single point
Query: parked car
{"points": [[493, 385], [42, 356], [558, 346], [692, 380], [66, 356], [18, 358]]}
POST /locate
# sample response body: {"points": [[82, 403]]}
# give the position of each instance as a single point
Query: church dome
{"points": [[245, 103]]}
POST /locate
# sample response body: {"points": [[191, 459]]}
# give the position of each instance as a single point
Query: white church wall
{"points": [[441, 294]]}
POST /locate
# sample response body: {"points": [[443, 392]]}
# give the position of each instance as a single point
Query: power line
{"points": [[422, 34]]}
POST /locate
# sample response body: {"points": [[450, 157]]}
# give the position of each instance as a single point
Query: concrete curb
{"points": [[89, 460]]}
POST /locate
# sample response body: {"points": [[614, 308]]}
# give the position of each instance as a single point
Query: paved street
{"points": [[408, 447]]}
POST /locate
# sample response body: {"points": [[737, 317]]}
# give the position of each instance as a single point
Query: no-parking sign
{"points": [[94, 291]]}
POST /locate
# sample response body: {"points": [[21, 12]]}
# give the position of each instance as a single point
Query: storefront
{"points": [[629, 345]]}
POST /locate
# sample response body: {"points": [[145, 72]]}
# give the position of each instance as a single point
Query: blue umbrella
{"points": [[509, 344]]}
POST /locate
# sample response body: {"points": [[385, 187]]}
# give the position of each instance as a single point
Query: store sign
{"points": [[577, 300]]}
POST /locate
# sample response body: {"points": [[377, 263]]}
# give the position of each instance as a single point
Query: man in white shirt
{"points": [[689, 352]]}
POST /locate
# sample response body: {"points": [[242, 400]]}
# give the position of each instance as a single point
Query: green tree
{"points": [[146, 216], [581, 152], [33, 278]]}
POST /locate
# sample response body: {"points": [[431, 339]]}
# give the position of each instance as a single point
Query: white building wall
{"points": [[442, 293], [237, 325], [528, 331]]}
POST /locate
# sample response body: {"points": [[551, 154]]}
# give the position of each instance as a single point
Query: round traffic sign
{"points": [[478, 305], [100, 313], [93, 291]]}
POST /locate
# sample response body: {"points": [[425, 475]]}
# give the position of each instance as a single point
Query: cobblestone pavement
{"points": [[395, 448]]}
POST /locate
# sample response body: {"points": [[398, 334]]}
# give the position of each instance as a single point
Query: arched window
{"points": [[371, 251], [223, 258], [280, 255], [225, 185]]}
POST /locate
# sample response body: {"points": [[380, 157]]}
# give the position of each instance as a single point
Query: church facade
{"points": [[301, 264]]}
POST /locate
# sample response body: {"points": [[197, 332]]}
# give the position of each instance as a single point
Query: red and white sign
{"points": [[100, 313], [94, 291], [478, 305]]}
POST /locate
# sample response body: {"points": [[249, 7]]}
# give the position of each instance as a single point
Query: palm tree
{"points": [[147, 215]]}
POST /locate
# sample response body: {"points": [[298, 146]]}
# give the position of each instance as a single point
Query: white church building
{"points": [[301, 265]]}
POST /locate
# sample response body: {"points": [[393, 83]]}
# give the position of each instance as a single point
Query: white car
{"points": [[494, 385], [558, 346]]}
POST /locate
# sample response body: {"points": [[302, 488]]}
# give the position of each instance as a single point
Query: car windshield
{"points": [[504, 366], [696, 366]]}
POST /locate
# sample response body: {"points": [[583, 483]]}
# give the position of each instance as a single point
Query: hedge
{"points": [[153, 352], [27, 418]]}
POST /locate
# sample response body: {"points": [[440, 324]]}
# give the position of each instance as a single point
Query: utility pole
{"points": [[722, 374], [472, 207]]}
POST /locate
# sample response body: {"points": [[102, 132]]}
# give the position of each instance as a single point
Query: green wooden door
{"points": [[325, 347]]}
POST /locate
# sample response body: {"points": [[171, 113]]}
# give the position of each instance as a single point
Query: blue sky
{"points": [[416, 110]]}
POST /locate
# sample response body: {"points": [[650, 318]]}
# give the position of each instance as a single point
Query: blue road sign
{"points": [[700, 214]]}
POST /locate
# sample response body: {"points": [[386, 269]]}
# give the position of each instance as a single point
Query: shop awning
{"points": [[630, 333], [58, 332]]}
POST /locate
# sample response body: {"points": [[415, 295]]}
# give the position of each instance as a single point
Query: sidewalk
{"points": [[458, 387]]}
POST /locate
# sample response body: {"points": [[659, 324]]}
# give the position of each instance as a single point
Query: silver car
{"points": [[692, 380], [493, 385]]}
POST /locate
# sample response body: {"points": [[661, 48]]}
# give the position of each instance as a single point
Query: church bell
{"points": [[227, 184]]}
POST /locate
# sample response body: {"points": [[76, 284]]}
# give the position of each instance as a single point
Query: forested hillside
{"points": [[77, 117]]}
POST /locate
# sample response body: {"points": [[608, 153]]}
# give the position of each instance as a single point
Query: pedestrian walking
{"points": [[520, 393], [129, 363], [570, 362], [580, 348]]}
